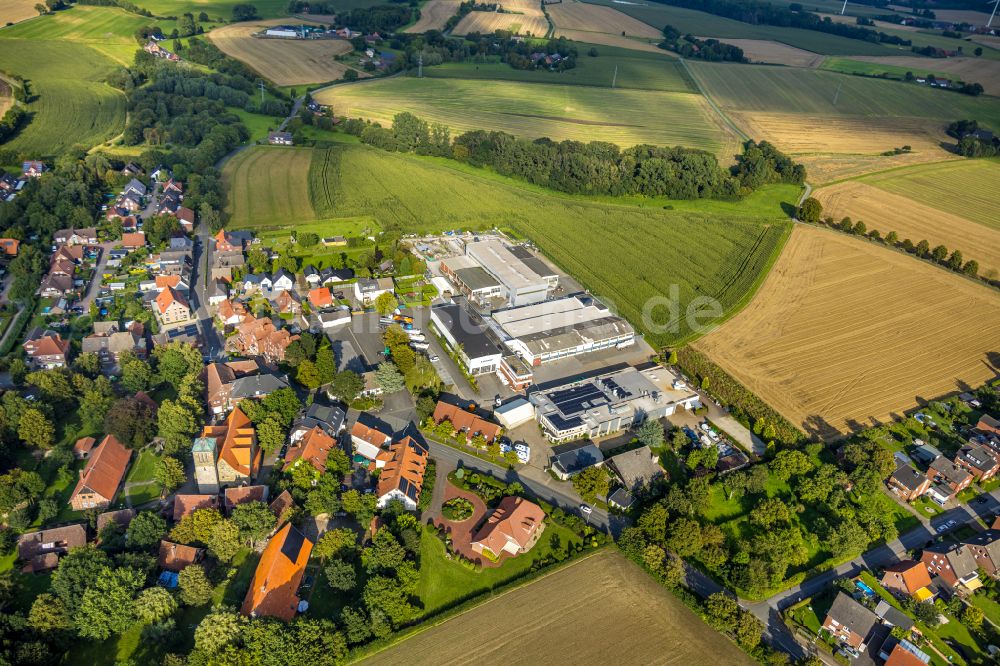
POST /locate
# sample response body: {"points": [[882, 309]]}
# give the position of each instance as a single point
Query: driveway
{"points": [[95, 282]]}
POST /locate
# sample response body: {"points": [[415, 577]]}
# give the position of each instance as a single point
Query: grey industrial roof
{"points": [[467, 329], [476, 278], [531, 261]]}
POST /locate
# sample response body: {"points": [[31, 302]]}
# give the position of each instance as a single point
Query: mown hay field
{"points": [[622, 116], [977, 70], [73, 105], [627, 254], [15, 11], [966, 187], [845, 333], [618, 41], [569, 612], [886, 212], [433, 15], [776, 53], [584, 17], [108, 30], [269, 185], [627, 68], [702, 23], [837, 147], [286, 62], [526, 18]]}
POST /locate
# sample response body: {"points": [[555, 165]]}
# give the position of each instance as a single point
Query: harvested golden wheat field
{"points": [[974, 70], [584, 17], [845, 333], [775, 53], [433, 15], [886, 211], [529, 20], [286, 62], [565, 617], [834, 147], [15, 11], [607, 39]]}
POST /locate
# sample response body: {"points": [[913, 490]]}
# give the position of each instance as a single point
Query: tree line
{"points": [[764, 13], [590, 168], [690, 46], [380, 18], [811, 211], [974, 140]]}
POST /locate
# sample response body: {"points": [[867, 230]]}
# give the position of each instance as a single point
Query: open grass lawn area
{"points": [[269, 186], [849, 66], [583, 113], [988, 603], [625, 254], [258, 125], [143, 493], [216, 9], [636, 69], [445, 582], [709, 25], [143, 467]]}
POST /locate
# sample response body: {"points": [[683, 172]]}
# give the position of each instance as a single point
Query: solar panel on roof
{"points": [[293, 544]]}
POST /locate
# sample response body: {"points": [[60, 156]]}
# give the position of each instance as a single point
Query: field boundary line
{"points": [[487, 597], [902, 167], [711, 102]]}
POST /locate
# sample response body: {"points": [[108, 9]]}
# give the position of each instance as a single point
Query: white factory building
{"points": [[555, 329], [523, 278]]}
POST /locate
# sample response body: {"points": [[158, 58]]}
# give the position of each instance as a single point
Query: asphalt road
{"points": [[201, 258]]}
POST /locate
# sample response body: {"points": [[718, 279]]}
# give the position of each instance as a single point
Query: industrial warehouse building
{"points": [[472, 280], [468, 337], [522, 283], [564, 327], [611, 402]]}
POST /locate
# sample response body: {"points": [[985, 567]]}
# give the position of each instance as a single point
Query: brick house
{"points": [[172, 307], [979, 461], [314, 448], [227, 454], [465, 421], [513, 528], [907, 483], [259, 337], [849, 622], [103, 475], [274, 589], [953, 564], [908, 578], [46, 349]]}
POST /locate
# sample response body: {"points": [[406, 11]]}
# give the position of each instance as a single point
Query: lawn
{"points": [[989, 605], [143, 493], [635, 257], [143, 467], [284, 199], [849, 66], [258, 125], [216, 9], [582, 113], [635, 69], [446, 582]]}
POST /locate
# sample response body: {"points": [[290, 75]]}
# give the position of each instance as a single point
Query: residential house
{"points": [[369, 442], [233, 497], [313, 448], [980, 461], [226, 454], [274, 589], [281, 505], [905, 653], [187, 334], [907, 483], [465, 421], [253, 282], [279, 138], [122, 518], [953, 564], [891, 617], [46, 349], [176, 556], [33, 168], [218, 291], [256, 387], [850, 623], [282, 280], [288, 302], [223, 264], [334, 241], [320, 298], [172, 307], [10, 246], [186, 217], [173, 186], [908, 578], [40, 551], [176, 281], [636, 469], [366, 290], [134, 240], [333, 318], [402, 475], [219, 379], [185, 505], [335, 275], [231, 241], [985, 547], [100, 479], [570, 463], [621, 499], [55, 286], [134, 186], [311, 275], [132, 169], [83, 447], [259, 337], [949, 479], [328, 418], [86, 236], [230, 313], [512, 528]]}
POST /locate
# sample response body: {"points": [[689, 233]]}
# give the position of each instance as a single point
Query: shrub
{"points": [[458, 509]]}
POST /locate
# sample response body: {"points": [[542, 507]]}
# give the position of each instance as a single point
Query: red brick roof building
{"points": [[274, 589], [402, 477], [465, 421], [314, 447], [101, 478], [513, 528], [259, 337]]}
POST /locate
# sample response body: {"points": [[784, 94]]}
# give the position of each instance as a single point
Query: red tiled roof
{"points": [[320, 297], [911, 574], [515, 519], [185, 505], [50, 345], [168, 297], [903, 657], [84, 445], [134, 239], [374, 437], [465, 420], [274, 589], [314, 448], [281, 504], [105, 468], [404, 471], [176, 556], [164, 281], [243, 494]]}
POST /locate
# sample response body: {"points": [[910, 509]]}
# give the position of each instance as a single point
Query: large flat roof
{"points": [[561, 324], [496, 258], [531, 261], [467, 329], [476, 278]]}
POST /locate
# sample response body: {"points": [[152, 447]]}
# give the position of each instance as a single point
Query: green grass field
{"points": [[848, 66], [809, 91], [967, 188], [216, 9], [635, 69], [73, 105], [709, 25], [284, 199], [582, 113], [627, 254]]}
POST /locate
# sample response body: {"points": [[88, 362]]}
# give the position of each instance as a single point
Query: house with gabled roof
{"points": [[985, 547], [465, 421], [980, 461], [227, 454], [320, 298], [329, 418], [236, 495], [849, 622], [274, 589], [402, 475], [10, 246], [33, 168], [172, 307], [185, 505], [260, 337], [949, 478], [219, 379], [282, 280], [953, 564], [908, 578], [177, 557], [369, 441], [288, 302], [121, 518], [83, 447], [313, 448], [636, 469], [281, 505], [907, 483], [102, 477], [186, 217], [46, 349], [230, 313], [513, 528], [40, 550]]}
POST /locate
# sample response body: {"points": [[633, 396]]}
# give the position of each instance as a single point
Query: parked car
{"points": [[433, 358], [714, 435], [704, 426], [586, 510]]}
